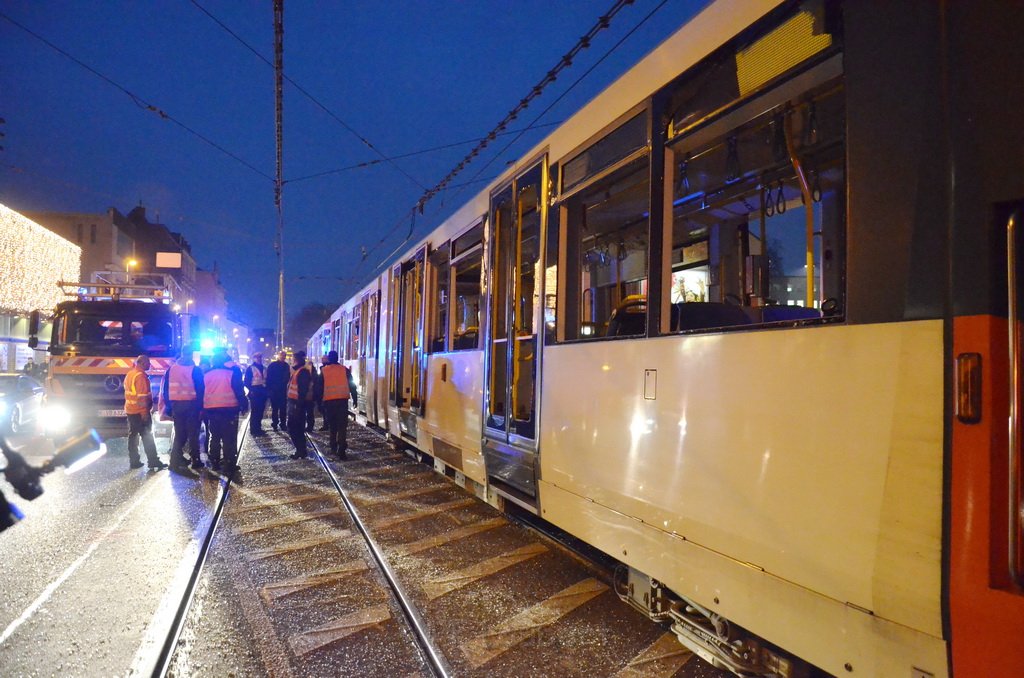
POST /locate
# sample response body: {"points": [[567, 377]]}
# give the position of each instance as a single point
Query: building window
{"points": [[78, 233], [92, 233]]}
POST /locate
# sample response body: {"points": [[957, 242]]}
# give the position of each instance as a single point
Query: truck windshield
{"points": [[121, 333]]}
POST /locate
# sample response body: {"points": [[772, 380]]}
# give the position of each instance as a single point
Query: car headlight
{"points": [[56, 417]]}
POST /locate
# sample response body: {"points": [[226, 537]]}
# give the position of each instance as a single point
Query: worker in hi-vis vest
{"points": [[334, 389], [255, 383], [300, 397], [182, 395], [138, 408], [223, 401]]}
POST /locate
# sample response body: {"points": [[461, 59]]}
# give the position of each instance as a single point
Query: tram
{"points": [[749, 323]]}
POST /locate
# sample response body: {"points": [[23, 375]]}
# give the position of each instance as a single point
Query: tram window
{"points": [[466, 301], [627, 138], [550, 307], [438, 301], [741, 252], [606, 255]]}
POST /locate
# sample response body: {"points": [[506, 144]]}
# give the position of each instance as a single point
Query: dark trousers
{"points": [[257, 404], [297, 425], [141, 426], [336, 416], [186, 431], [310, 410], [223, 433], [278, 409]]}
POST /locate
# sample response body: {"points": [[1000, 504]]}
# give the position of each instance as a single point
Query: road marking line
{"points": [[482, 649], [660, 659], [294, 520], [370, 500], [286, 587], [291, 547], [55, 584], [304, 643], [391, 521], [447, 537], [297, 499], [456, 580]]}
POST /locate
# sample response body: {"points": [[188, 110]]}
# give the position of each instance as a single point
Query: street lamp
{"points": [[129, 265], [187, 304]]}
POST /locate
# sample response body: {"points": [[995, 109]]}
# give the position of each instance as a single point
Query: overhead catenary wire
{"points": [[136, 99], [366, 142], [432, 149], [475, 179], [568, 89], [603, 22]]}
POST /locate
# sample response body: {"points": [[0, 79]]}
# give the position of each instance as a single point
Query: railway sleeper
{"points": [[707, 634]]}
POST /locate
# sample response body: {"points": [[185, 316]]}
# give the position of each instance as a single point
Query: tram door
{"points": [[409, 390], [511, 387]]}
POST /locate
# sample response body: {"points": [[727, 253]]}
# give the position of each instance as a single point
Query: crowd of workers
{"points": [[206, 400]]}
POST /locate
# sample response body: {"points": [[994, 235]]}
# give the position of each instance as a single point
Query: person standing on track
{"points": [[278, 374], [138, 408], [255, 382], [300, 397], [182, 394], [223, 401], [333, 392]]}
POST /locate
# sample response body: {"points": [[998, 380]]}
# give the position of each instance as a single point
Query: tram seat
{"points": [[697, 315], [774, 314]]}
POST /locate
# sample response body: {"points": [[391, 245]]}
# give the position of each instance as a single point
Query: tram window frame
{"points": [[466, 256], [439, 322], [629, 241], [745, 161]]}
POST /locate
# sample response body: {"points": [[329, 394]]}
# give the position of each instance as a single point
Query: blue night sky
{"points": [[407, 76]]}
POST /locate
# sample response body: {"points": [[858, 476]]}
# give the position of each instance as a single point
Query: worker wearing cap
{"points": [[223, 401], [300, 397], [256, 384], [138, 408], [277, 374], [182, 394]]}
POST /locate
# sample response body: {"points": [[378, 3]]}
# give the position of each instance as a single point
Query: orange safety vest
{"points": [[218, 392], [180, 383], [137, 395], [335, 382], [293, 383], [257, 374]]}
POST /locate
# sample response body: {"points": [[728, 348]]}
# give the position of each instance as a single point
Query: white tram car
{"points": [[742, 323]]}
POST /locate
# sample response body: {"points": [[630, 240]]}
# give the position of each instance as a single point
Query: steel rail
{"points": [[434, 658], [163, 660]]}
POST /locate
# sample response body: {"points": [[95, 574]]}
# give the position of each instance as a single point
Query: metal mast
{"points": [[279, 178]]}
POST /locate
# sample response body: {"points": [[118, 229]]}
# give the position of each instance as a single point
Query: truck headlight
{"points": [[56, 417]]}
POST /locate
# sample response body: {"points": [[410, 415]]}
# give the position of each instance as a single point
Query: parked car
{"points": [[21, 398]]}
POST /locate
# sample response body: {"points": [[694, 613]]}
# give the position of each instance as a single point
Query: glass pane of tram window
{"points": [[550, 308], [607, 241], [743, 265], [438, 300], [527, 265], [467, 302]]}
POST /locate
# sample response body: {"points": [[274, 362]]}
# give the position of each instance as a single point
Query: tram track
{"points": [[427, 646], [163, 659], [378, 565]]}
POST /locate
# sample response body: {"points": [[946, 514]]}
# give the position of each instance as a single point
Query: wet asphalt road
{"points": [[93, 574]]}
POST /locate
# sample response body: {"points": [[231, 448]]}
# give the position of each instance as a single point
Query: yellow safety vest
{"points": [[180, 383], [218, 392], [257, 374], [335, 382], [137, 395]]}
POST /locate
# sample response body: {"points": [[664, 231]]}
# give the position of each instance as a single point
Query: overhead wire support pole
{"points": [[279, 178]]}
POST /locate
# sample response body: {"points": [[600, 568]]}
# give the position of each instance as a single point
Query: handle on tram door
{"points": [[1016, 505]]}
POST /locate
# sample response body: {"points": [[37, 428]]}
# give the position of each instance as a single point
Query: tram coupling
{"points": [[707, 634]]}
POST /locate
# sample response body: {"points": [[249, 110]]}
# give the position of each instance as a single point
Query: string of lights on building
{"points": [[34, 260]]}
